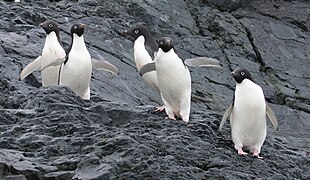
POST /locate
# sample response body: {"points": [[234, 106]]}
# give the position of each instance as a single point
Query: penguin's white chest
{"points": [[174, 80], [76, 73], [141, 55], [248, 118], [52, 51]]}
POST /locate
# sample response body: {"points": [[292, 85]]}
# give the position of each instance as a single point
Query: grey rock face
{"points": [[50, 133]]}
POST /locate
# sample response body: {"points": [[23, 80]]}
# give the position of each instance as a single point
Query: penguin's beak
{"points": [[83, 26], [169, 42], [124, 32], [232, 73], [41, 25], [127, 34]]}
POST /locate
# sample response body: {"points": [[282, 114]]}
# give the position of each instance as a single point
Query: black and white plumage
{"points": [[145, 49], [174, 78], [145, 45], [52, 51], [174, 81], [77, 68], [247, 114]]}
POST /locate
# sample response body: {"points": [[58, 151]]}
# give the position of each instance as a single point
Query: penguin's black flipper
{"points": [[149, 67]]}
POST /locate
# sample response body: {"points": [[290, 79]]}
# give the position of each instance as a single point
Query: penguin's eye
{"points": [[242, 73], [75, 27], [50, 25], [136, 31]]}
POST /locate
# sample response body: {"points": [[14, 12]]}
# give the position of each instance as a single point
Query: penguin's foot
{"points": [[256, 154], [160, 109], [241, 152], [186, 121], [172, 116]]}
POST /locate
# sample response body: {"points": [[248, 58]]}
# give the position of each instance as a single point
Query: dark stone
{"points": [[50, 133], [228, 5]]}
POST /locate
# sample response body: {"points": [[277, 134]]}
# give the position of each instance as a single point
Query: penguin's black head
{"points": [[77, 29], [50, 26], [240, 74], [165, 43], [137, 31]]}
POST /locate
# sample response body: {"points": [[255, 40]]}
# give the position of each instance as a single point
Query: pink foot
{"points": [[159, 109], [241, 152], [172, 117], [257, 156]]}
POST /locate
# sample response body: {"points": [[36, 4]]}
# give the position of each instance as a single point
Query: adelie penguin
{"points": [[75, 71], [52, 51], [248, 114], [53, 55], [174, 78], [174, 81], [145, 50]]}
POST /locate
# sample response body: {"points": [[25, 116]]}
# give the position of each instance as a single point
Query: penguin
{"points": [[174, 78], [145, 45], [76, 70], [76, 67], [248, 114], [52, 51], [174, 81], [145, 49]]}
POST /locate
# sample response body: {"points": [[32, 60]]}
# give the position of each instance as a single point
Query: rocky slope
{"points": [[49, 133]]}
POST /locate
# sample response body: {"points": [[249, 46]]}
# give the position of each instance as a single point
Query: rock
{"points": [[89, 171], [283, 32], [50, 133], [228, 5], [89, 3]]}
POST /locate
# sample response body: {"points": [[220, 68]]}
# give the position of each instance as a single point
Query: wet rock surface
{"points": [[49, 133]]}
